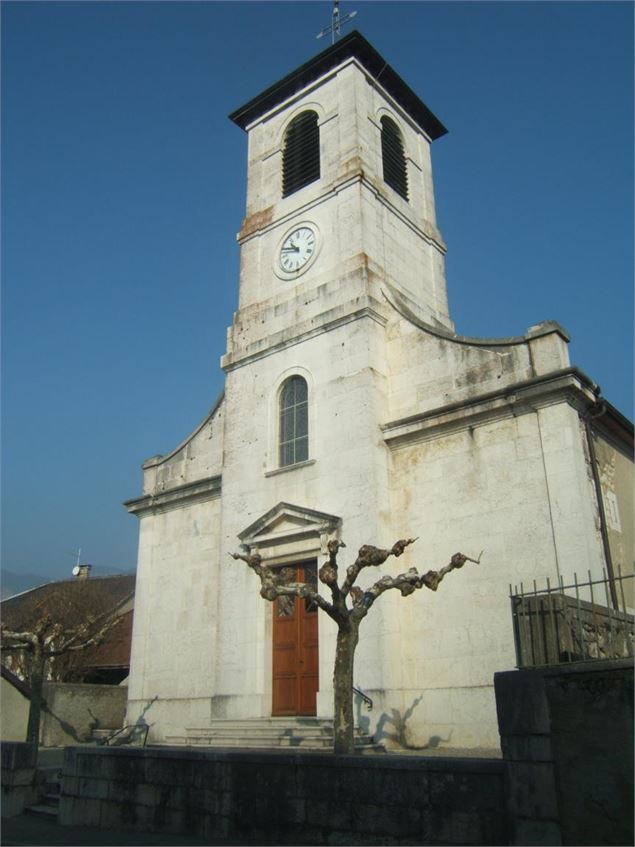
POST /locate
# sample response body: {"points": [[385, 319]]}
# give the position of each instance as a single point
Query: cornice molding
{"points": [[268, 347], [174, 498], [567, 386]]}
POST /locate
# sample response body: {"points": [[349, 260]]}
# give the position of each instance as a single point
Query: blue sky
{"points": [[123, 188]]}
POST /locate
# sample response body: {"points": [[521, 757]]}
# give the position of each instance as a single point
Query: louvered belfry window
{"points": [[294, 422], [393, 157], [301, 156]]}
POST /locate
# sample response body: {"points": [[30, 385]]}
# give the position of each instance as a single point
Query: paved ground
{"points": [[29, 830]]}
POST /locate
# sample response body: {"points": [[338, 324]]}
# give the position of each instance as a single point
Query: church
{"points": [[352, 410]]}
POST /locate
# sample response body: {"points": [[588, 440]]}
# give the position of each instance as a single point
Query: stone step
{"points": [[362, 743], [265, 731], [279, 725], [307, 733], [42, 810], [103, 733]]}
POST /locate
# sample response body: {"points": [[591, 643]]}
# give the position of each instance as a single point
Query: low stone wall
{"points": [[287, 798], [73, 710], [567, 740], [19, 785]]}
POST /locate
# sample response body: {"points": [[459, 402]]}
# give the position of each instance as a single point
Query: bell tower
{"points": [[340, 200]]}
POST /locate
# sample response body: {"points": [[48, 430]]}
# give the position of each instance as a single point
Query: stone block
{"points": [[97, 789], [205, 800], [92, 765], [482, 793], [17, 755], [168, 771], [364, 838], [146, 795], [376, 819], [318, 781], [81, 811], [531, 790], [521, 704], [111, 816], [534, 833], [527, 748], [70, 786], [296, 810], [16, 798], [335, 813], [216, 827], [65, 815]]}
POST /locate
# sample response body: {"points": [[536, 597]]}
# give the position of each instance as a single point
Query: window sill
{"points": [[286, 468]]}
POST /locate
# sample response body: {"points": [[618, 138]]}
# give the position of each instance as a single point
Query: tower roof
{"points": [[355, 46]]}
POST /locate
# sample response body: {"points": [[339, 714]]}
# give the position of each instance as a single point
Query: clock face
{"points": [[297, 249]]}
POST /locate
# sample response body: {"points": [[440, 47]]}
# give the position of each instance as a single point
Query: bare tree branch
{"points": [[369, 556], [408, 582], [328, 573], [17, 640], [275, 584]]}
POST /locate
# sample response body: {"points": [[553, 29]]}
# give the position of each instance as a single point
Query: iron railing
{"points": [[555, 625], [367, 700], [129, 734]]}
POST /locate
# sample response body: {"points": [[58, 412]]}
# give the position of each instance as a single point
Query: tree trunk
{"points": [[36, 683], [347, 637]]}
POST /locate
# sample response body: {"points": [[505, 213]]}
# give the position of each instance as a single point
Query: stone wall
{"points": [[73, 710], [19, 786], [553, 628], [567, 740], [286, 798]]}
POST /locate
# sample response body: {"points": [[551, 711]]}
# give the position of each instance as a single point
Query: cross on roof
{"points": [[336, 23]]}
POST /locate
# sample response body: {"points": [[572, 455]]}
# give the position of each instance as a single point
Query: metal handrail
{"points": [[130, 727], [365, 698]]}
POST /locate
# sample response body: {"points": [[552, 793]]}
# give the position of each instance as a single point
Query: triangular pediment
{"points": [[286, 526]]}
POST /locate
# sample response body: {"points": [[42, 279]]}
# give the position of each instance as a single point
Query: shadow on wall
{"points": [[392, 728], [67, 728], [141, 721]]}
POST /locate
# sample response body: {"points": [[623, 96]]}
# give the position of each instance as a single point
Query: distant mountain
{"points": [[14, 583]]}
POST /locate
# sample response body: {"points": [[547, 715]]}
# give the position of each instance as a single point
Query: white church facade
{"points": [[353, 410]]}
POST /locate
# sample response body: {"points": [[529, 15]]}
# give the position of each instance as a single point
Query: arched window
{"points": [[294, 422], [393, 157], [301, 155]]}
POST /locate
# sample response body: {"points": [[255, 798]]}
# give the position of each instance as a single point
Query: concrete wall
{"points": [[286, 798], [567, 740], [67, 718], [14, 712]]}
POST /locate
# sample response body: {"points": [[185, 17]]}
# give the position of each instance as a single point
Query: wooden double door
{"points": [[295, 650]]}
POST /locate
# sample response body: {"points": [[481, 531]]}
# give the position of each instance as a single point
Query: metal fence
{"points": [[555, 625]]}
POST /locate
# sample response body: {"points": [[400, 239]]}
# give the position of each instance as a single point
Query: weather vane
{"points": [[337, 22]]}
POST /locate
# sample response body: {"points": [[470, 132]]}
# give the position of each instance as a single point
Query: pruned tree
{"points": [[54, 628], [347, 613]]}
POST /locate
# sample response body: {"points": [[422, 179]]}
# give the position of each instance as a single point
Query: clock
{"points": [[297, 249]]}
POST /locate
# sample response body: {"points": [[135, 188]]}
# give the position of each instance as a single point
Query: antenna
{"points": [[76, 568], [336, 23]]}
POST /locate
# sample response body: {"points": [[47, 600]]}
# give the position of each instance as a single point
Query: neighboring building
{"points": [[69, 602], [353, 409]]}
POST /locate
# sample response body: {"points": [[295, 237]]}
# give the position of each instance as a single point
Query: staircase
{"points": [[302, 733], [48, 806]]}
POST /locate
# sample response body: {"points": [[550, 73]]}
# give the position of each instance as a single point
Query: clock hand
{"points": [[291, 249]]}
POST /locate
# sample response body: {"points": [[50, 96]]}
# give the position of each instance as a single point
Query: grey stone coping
{"points": [[385, 761]]}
